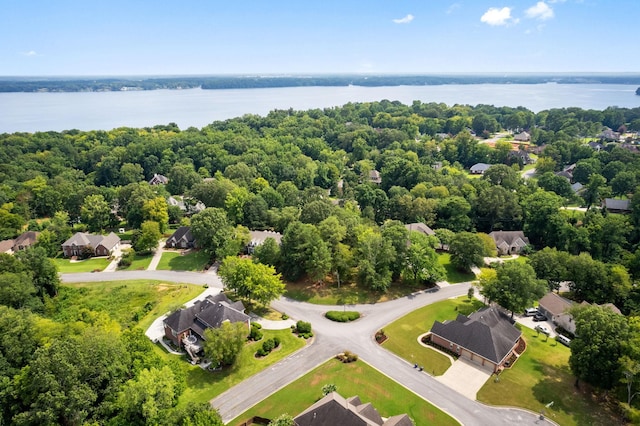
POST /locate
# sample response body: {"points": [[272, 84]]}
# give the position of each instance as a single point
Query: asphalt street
{"points": [[332, 338]]}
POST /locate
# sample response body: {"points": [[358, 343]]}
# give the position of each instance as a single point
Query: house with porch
{"points": [[181, 238], [556, 308], [487, 337], [81, 244], [25, 240], [509, 242], [187, 326]]}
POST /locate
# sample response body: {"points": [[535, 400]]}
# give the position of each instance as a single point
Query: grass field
{"points": [[127, 302], [356, 378], [140, 262], [65, 266], [542, 375], [403, 333], [205, 385], [174, 261], [453, 274]]}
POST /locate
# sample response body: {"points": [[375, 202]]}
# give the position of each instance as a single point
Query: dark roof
{"points": [[487, 332], [420, 227], [208, 313], [184, 232], [334, 410]]}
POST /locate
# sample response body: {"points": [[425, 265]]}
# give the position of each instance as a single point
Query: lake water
{"points": [[30, 112]]}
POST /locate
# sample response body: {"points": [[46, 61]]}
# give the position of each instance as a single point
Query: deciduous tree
{"points": [[223, 344]]}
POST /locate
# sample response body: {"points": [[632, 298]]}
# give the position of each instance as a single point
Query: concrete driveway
{"points": [[465, 377]]}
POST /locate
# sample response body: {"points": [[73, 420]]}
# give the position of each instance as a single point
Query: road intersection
{"points": [[332, 338]]}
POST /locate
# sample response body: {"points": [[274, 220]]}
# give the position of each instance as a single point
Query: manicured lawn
{"points": [[65, 266], [204, 385], [453, 274], [356, 378], [542, 375], [330, 294], [403, 333], [174, 261], [127, 302], [140, 262]]}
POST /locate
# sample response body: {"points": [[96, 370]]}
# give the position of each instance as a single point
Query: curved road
{"points": [[332, 338]]}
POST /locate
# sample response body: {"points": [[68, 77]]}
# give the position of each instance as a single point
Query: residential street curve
{"points": [[332, 338]]}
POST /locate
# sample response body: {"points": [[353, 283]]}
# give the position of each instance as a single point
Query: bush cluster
{"points": [[347, 357], [342, 316], [267, 346], [256, 332], [303, 329]]}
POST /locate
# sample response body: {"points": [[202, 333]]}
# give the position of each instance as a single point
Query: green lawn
{"points": [[127, 302], [65, 266], [174, 261], [140, 262], [403, 333], [542, 375], [205, 385], [357, 378], [454, 275]]}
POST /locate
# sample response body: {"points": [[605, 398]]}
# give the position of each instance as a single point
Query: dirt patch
{"points": [[163, 287]]}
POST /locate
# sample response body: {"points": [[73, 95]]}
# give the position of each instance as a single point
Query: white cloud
{"points": [[30, 53], [404, 20], [540, 11], [495, 16], [453, 8]]}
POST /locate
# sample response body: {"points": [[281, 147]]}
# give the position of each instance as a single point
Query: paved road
{"points": [[332, 338]]}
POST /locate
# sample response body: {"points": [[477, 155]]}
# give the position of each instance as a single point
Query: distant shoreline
{"points": [[113, 84]]}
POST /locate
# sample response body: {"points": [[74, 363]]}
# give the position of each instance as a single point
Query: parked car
{"points": [[529, 312], [564, 340], [539, 317], [542, 329]]}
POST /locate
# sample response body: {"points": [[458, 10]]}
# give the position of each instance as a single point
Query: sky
{"points": [[212, 37]]}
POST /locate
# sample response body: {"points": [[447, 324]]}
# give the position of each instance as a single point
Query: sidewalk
{"points": [[156, 256]]}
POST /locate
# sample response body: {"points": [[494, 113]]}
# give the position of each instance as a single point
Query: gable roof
{"points": [[509, 238], [82, 239], [258, 237], [374, 176], [6, 246], [26, 239], [158, 179], [523, 136], [616, 204], [334, 410], [208, 313], [487, 332], [420, 227], [554, 304], [182, 233]]}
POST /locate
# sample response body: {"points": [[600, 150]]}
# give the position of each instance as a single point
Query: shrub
{"points": [[347, 357], [256, 333], [268, 345], [342, 316], [303, 327], [285, 316], [276, 342]]}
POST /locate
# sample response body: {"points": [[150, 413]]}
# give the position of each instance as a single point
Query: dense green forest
{"points": [[35, 84], [310, 175]]}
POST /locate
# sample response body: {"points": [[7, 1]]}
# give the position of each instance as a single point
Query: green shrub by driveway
{"points": [[342, 316]]}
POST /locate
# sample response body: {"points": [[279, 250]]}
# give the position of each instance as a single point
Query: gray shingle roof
{"points": [[208, 313], [554, 304], [616, 204], [420, 227], [334, 410], [487, 332], [84, 239]]}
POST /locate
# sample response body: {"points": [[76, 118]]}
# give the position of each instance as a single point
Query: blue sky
{"points": [[160, 37]]}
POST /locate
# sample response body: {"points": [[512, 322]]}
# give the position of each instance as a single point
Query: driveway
{"points": [[465, 377], [156, 256], [530, 323]]}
